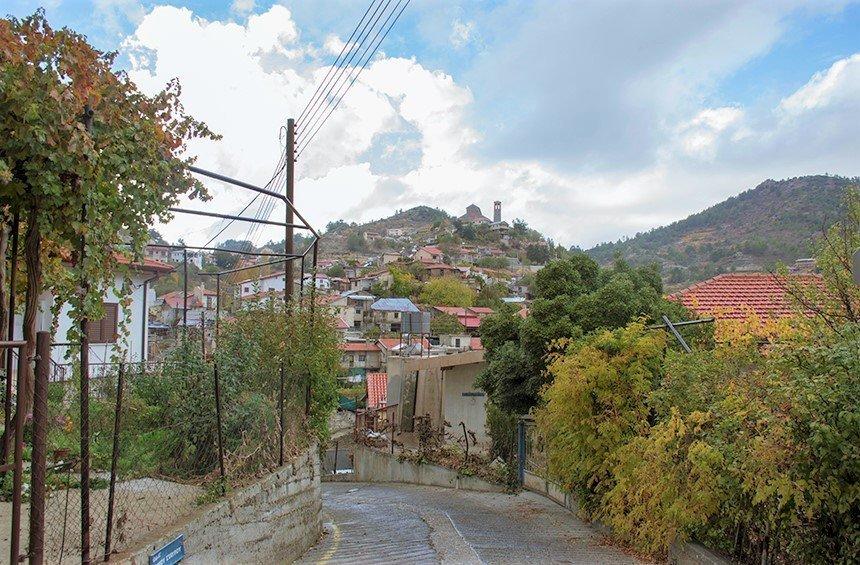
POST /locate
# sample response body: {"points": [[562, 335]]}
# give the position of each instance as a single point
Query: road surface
{"points": [[389, 523]]}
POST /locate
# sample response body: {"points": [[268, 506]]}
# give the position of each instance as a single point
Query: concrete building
{"points": [[388, 314], [442, 387], [473, 215], [497, 211], [429, 254], [263, 285]]}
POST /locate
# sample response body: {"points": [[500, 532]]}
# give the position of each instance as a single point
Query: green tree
{"points": [[403, 283], [443, 323], [336, 271], [538, 254], [83, 153], [490, 295], [447, 291], [356, 242]]}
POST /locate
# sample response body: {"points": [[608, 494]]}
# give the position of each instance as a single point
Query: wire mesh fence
{"points": [[165, 438]]}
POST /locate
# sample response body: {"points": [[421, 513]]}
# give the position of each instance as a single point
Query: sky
{"points": [[591, 120]]}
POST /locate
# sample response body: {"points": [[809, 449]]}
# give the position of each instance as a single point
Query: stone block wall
{"points": [[275, 519]]}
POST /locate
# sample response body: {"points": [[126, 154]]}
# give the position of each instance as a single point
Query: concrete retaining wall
{"points": [[377, 467], [687, 553], [275, 519]]}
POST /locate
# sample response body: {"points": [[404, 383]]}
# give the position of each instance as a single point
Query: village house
{"points": [[389, 257], [339, 284], [200, 302], [735, 296], [374, 278], [106, 342], [396, 232], [469, 318], [436, 270], [262, 286], [321, 281], [353, 307], [377, 387], [390, 314], [429, 254], [359, 357]]}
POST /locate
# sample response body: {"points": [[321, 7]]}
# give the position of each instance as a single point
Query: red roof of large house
{"points": [[733, 296], [377, 390], [470, 317], [174, 299], [358, 346], [145, 265], [432, 250]]}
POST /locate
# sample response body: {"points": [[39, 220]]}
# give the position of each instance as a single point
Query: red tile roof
{"points": [[358, 346], [174, 299], [733, 296], [340, 324], [377, 390], [147, 264], [476, 344], [432, 250]]}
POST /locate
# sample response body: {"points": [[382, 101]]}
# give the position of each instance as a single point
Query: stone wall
{"points": [[377, 467], [275, 519]]}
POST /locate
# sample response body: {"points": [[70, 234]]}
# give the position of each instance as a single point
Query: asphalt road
{"points": [[391, 523]]}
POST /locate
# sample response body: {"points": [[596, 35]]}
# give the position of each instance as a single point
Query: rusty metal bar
{"points": [[7, 402], [184, 294], [243, 184], [289, 190], [85, 405], [281, 417], [239, 218], [114, 460], [218, 423], [36, 547], [18, 460]]}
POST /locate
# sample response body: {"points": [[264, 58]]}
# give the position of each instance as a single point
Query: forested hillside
{"points": [[773, 222]]}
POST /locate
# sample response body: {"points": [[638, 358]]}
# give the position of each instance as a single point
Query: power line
{"points": [[335, 64], [323, 100], [306, 142]]}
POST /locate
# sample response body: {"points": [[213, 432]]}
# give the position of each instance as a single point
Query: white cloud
{"points": [[246, 79], [242, 7], [461, 33], [838, 83]]}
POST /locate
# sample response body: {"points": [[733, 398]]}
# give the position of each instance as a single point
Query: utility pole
{"points": [[288, 242]]}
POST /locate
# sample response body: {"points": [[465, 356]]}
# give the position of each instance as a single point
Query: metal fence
{"points": [[164, 439]]}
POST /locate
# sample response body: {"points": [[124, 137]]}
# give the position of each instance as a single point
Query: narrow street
{"points": [[392, 523]]}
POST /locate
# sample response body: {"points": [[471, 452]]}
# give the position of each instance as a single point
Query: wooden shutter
{"points": [[105, 329]]}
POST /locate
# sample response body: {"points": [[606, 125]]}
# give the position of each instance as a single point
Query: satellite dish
{"points": [[855, 267]]}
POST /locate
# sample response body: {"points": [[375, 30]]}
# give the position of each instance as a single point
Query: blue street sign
{"points": [[170, 554]]}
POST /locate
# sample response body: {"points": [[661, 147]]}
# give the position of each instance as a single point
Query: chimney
{"points": [[497, 211]]}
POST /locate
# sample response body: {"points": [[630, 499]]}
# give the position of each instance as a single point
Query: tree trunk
{"points": [[33, 261]]}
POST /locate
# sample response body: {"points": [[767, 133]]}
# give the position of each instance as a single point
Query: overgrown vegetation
{"points": [[751, 445], [169, 416]]}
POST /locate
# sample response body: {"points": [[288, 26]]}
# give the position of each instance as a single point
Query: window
{"points": [[104, 330], [247, 288], [397, 315], [456, 342], [362, 358], [358, 310], [356, 324]]}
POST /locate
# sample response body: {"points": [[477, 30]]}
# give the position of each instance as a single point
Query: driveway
{"points": [[393, 523]]}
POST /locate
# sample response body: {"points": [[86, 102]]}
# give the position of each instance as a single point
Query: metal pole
{"points": [[218, 423], [302, 279], [521, 450], [36, 547], [203, 331], [7, 402], [281, 417], [334, 471], [18, 474], [217, 306], [184, 293], [290, 193], [114, 460], [85, 408], [677, 335]]}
